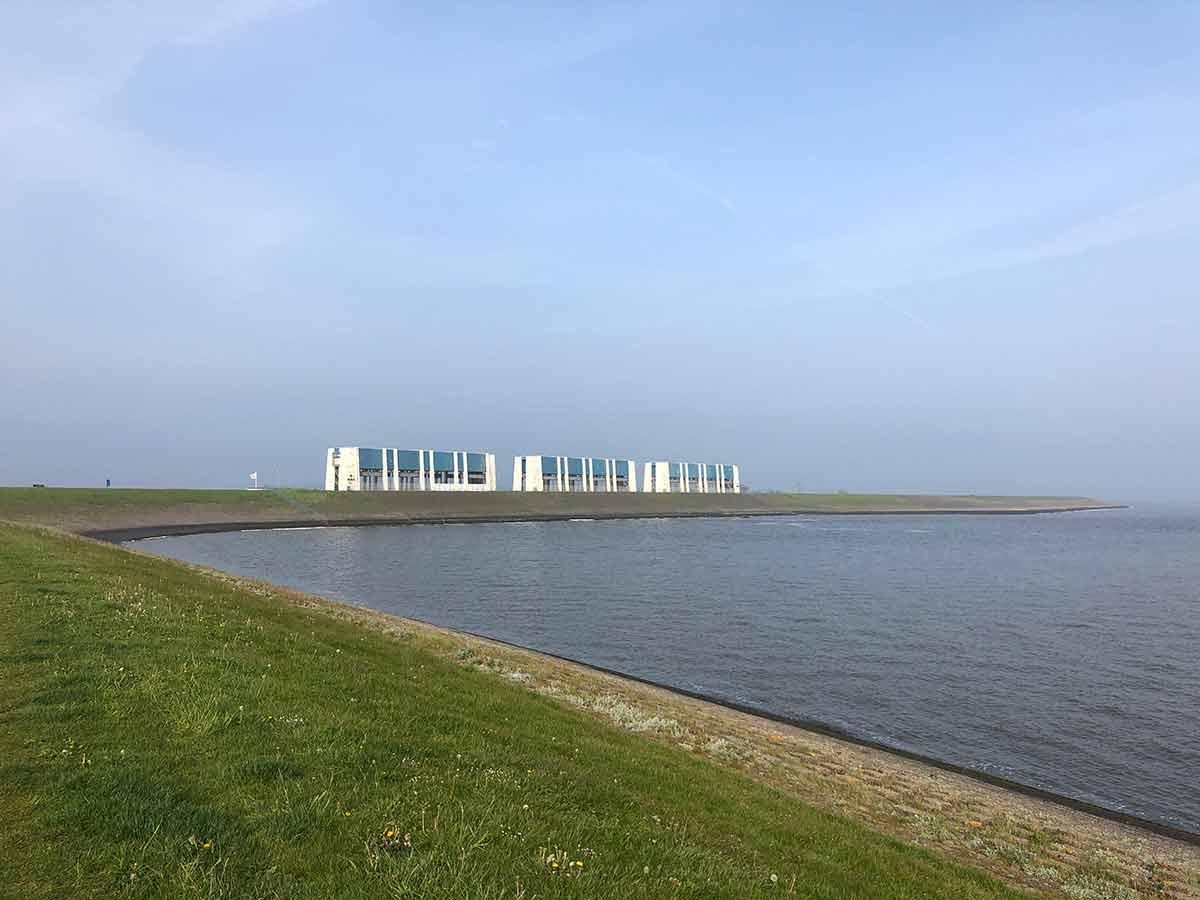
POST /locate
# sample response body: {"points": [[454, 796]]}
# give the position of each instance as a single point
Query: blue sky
{"points": [[863, 248]]}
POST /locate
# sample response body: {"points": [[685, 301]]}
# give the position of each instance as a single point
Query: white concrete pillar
{"points": [[534, 473]]}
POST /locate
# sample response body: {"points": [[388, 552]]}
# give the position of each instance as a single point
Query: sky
{"points": [[864, 248]]}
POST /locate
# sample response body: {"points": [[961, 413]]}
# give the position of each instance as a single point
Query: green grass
{"points": [[166, 734], [83, 509]]}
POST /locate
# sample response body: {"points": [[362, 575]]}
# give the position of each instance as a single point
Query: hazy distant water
{"points": [[1062, 651]]}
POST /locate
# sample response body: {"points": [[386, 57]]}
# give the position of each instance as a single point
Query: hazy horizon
{"points": [[874, 249]]}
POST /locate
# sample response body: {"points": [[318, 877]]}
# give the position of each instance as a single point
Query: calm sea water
{"points": [[1062, 651]]}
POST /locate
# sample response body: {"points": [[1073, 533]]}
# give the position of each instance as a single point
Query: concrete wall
{"points": [[538, 468], [343, 472], [656, 479]]}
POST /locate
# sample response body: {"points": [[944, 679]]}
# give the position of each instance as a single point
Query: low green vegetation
{"points": [[164, 733], [90, 509]]}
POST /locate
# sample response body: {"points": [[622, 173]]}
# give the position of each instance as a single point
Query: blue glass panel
{"points": [[409, 460], [476, 462], [673, 470], [622, 468], [710, 473], [370, 458], [443, 461], [597, 467], [549, 465], [693, 470], [729, 473], [574, 465]]}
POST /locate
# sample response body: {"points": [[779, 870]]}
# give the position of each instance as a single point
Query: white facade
{"points": [[691, 478], [575, 474], [390, 469]]}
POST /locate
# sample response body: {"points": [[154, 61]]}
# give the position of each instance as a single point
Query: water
{"points": [[1062, 651]]}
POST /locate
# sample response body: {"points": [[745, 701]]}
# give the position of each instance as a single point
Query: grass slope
{"points": [[84, 509], [165, 734]]}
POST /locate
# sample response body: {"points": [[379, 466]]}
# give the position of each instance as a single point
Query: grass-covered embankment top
{"points": [[142, 512], [164, 733]]}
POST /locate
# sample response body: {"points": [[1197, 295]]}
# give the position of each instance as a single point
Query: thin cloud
{"points": [[692, 185], [237, 14], [51, 131]]}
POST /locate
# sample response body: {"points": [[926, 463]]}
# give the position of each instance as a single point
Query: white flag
{"points": [[254, 476]]}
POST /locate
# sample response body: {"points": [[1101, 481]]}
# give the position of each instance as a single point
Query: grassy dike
{"points": [[138, 513], [168, 733]]}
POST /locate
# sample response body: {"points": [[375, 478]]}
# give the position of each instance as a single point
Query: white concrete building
{"points": [[388, 469], [690, 478], [575, 474]]}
